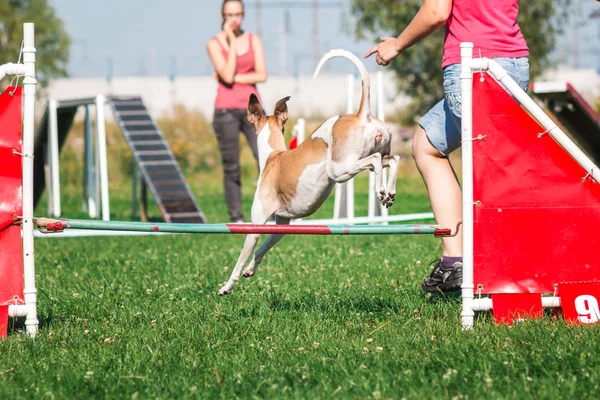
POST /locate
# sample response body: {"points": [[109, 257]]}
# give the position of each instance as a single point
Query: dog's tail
{"points": [[365, 102]]}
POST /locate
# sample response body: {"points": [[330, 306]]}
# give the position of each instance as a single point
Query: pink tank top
{"points": [[490, 25], [237, 95]]}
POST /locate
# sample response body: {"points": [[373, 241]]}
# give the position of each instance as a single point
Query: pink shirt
{"points": [[490, 24], [237, 94]]}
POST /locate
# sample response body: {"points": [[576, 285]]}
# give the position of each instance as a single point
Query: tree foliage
{"points": [[52, 42], [419, 68]]}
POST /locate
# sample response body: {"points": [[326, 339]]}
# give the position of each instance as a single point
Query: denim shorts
{"points": [[442, 122]]}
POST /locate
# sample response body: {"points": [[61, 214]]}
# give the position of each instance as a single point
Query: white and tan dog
{"points": [[295, 183]]}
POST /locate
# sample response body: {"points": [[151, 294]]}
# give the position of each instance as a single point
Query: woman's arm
{"points": [[432, 15], [260, 65], [224, 67]]}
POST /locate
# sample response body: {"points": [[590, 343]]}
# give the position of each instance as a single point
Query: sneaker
{"points": [[443, 280]]}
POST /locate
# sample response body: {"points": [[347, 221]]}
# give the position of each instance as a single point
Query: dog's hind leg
{"points": [[260, 215], [267, 245], [391, 162]]}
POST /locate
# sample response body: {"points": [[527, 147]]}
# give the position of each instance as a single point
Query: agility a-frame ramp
{"points": [[152, 157], [531, 205], [574, 113]]}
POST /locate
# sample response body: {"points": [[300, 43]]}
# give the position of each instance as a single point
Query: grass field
{"points": [[325, 317]]}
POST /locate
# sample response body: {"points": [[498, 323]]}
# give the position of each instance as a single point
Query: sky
{"points": [[168, 37]]}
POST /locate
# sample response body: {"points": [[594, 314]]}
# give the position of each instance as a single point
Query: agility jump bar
{"points": [[50, 225]]}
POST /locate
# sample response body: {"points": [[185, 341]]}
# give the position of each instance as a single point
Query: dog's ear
{"points": [[255, 110], [281, 110]]}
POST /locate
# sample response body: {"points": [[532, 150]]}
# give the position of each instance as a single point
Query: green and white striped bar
{"points": [[48, 225]]}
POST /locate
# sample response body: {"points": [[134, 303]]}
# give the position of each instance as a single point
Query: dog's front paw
{"points": [[226, 289], [386, 199], [382, 196], [389, 199]]}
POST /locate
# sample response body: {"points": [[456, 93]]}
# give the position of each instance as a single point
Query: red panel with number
{"points": [[580, 302], [536, 221]]}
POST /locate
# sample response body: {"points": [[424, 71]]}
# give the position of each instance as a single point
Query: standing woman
{"points": [[493, 29], [239, 62]]}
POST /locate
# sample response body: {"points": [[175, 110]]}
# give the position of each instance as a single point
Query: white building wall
{"points": [[585, 80], [323, 96]]}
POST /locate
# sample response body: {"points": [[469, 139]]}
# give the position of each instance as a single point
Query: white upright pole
{"points": [[372, 209], [337, 202], [350, 199], [375, 207], [381, 116], [102, 157], [54, 183], [466, 89], [372, 202], [342, 195], [48, 169], [301, 133], [89, 186], [349, 186], [29, 85]]}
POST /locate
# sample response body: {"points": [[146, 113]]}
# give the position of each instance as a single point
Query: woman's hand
{"points": [[229, 33], [386, 51]]}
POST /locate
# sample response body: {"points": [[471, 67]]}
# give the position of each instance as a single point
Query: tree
{"points": [[419, 68], [52, 42]]}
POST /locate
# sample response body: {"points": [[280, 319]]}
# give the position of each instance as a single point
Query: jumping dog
{"points": [[295, 183]]}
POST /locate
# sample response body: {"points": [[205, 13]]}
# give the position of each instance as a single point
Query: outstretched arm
{"points": [[431, 16]]}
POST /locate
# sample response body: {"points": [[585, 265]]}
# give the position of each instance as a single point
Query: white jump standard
{"points": [[27, 69]]}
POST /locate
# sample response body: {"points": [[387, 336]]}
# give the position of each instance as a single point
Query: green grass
{"points": [[325, 317]]}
